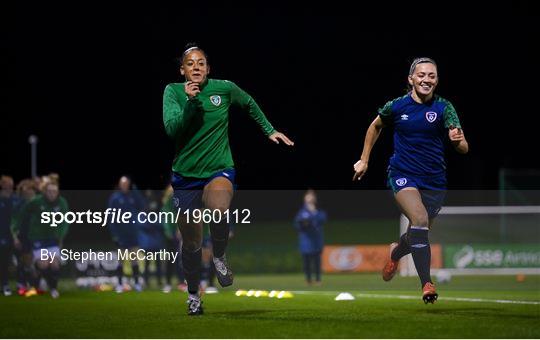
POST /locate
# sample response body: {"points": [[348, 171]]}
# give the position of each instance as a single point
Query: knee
{"points": [[221, 206], [420, 219], [41, 265]]}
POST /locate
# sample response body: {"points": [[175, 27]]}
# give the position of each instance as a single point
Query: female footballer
{"points": [[417, 169], [196, 117]]}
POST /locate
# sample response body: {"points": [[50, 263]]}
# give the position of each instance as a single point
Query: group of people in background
{"points": [[23, 236]]}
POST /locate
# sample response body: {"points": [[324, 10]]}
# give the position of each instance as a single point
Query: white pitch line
{"points": [[411, 297]]}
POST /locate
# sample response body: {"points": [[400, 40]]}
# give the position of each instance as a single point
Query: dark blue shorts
{"points": [[188, 191], [432, 189], [39, 244]]}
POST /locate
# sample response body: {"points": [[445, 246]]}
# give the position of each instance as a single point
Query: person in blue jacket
{"points": [[309, 224], [126, 235]]}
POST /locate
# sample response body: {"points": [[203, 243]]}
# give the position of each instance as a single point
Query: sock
{"points": [[191, 262], [421, 252], [146, 272], [28, 275], [21, 275], [120, 272], [402, 249], [136, 276], [35, 277], [220, 238], [53, 278], [47, 275]]}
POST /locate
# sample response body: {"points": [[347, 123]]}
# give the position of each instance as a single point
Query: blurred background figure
{"points": [[6, 238], [42, 236], [173, 243], [26, 191], [151, 239], [126, 235], [309, 224]]}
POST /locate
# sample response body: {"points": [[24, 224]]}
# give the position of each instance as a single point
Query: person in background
{"points": [[26, 191], [126, 235], [309, 224], [151, 239], [6, 238], [42, 235], [173, 243]]}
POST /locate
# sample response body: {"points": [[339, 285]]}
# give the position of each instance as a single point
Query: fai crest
{"points": [[401, 181], [216, 100], [431, 116]]}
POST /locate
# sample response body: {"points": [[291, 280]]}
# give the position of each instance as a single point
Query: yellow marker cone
{"points": [[285, 295], [241, 292], [250, 292], [273, 294], [261, 293]]}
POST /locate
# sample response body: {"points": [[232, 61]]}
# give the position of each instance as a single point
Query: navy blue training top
{"points": [[419, 134]]}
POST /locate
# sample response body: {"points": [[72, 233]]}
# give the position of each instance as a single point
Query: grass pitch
{"points": [[381, 310]]}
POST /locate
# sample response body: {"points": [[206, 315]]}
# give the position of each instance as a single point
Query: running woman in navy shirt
{"points": [[417, 171]]}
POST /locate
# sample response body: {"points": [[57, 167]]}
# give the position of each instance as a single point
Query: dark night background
{"points": [[88, 82]]}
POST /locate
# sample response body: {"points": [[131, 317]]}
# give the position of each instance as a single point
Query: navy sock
{"points": [[136, 273], [220, 238], [191, 262], [421, 252], [47, 275], [53, 278], [120, 272], [402, 249]]}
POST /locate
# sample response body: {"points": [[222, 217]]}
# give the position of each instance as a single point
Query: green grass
{"points": [[152, 314]]}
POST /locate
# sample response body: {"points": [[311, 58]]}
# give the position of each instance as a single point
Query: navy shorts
{"points": [[188, 191], [432, 189]]}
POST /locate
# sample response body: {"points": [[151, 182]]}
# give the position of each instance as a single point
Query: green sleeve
{"points": [[22, 219], [385, 113], [450, 116], [241, 98], [177, 111], [62, 229]]}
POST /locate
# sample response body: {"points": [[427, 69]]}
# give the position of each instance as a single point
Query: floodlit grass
{"points": [[312, 313]]}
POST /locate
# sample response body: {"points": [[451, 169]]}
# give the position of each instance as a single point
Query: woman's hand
{"points": [[457, 137], [360, 169], [278, 136], [192, 89]]}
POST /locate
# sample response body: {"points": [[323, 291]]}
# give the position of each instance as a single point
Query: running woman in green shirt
{"points": [[196, 118]]}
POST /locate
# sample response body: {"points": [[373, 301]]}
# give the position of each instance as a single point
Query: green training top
{"points": [[30, 217], [199, 126]]}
